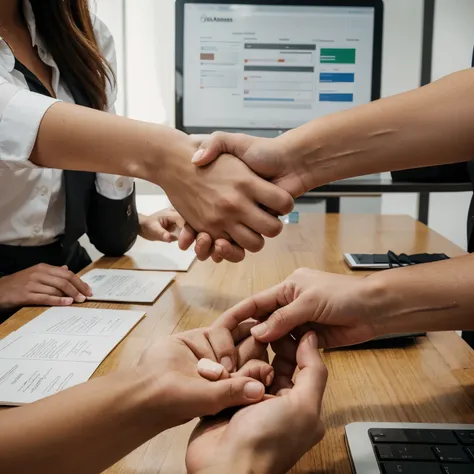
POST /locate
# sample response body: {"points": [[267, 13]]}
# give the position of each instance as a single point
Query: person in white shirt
{"points": [[54, 54]]}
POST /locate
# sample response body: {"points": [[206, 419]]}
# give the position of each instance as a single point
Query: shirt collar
{"points": [[6, 54]]}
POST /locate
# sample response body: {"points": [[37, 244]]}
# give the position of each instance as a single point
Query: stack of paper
{"points": [[127, 286], [163, 256], [60, 348]]}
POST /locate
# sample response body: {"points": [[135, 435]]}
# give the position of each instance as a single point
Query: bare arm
{"points": [[428, 126], [431, 297], [84, 429]]}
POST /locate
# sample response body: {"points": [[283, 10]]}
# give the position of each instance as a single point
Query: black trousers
{"points": [[14, 259]]}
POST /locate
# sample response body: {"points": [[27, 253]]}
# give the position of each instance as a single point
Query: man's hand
{"points": [[227, 200], [42, 285], [271, 436], [337, 307], [182, 393], [163, 226], [265, 156]]}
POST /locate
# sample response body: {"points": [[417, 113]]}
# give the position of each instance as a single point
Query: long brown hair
{"points": [[66, 29]]}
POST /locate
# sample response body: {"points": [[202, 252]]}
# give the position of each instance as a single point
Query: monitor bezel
{"points": [[179, 51]]}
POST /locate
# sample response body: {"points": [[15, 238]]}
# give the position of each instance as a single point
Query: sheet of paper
{"points": [[60, 348], [147, 255], [129, 286], [26, 381], [74, 321]]}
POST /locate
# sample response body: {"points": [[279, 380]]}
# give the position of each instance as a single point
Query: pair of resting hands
{"points": [[207, 373], [47, 285]]}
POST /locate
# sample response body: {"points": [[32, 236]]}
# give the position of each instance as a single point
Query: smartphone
{"points": [[366, 261]]}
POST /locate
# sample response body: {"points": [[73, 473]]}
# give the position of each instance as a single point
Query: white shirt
{"points": [[32, 199]]}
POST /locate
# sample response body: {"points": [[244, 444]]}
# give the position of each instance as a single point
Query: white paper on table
{"points": [[56, 347], [146, 255], [127, 286], [74, 321], [26, 381]]}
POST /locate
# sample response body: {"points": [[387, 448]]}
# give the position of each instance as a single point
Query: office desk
{"points": [[333, 192], [432, 381]]}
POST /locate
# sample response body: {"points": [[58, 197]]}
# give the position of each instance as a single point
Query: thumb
{"points": [[283, 321], [233, 392], [214, 146], [187, 237]]}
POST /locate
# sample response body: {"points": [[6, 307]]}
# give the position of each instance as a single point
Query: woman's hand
{"points": [[182, 394], [270, 436], [42, 285], [163, 226]]}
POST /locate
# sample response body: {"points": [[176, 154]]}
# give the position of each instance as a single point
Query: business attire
{"points": [[43, 212]]}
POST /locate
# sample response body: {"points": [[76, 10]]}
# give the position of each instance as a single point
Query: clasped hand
{"points": [[283, 421]]}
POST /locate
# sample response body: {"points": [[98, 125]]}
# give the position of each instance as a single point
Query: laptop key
{"points": [[465, 437], [431, 436], [470, 452], [411, 468], [413, 452], [457, 469], [451, 454], [388, 436]]}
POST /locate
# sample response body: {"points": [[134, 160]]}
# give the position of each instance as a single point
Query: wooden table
{"points": [[432, 381]]}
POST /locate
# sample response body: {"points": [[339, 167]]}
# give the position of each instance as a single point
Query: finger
{"points": [[242, 331], [186, 237], [273, 197], [40, 299], [311, 380], [283, 321], [258, 370], [198, 343], [229, 251], [211, 370], [158, 232], [247, 238], [217, 144], [81, 287], [214, 397], [223, 345], [256, 307], [264, 223], [250, 349], [39, 288], [64, 285], [203, 247]]}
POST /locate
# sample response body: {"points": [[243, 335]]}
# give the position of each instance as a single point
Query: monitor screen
{"points": [[273, 66]]}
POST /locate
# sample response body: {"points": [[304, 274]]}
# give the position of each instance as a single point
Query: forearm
{"points": [[429, 297], [78, 138], [81, 430], [427, 126]]}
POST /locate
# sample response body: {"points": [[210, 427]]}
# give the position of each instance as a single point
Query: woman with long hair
{"points": [[54, 57]]}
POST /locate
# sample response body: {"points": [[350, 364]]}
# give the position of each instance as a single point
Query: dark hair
{"points": [[66, 29]]}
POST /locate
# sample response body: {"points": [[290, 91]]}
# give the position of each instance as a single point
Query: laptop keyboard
{"points": [[425, 451]]}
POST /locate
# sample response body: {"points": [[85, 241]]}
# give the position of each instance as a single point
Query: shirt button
{"points": [[129, 211], [37, 230], [119, 183], [44, 190]]}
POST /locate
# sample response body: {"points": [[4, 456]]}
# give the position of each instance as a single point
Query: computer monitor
{"points": [[263, 67]]}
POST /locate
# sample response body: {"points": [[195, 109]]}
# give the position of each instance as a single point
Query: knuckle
{"points": [[229, 203], [279, 317]]}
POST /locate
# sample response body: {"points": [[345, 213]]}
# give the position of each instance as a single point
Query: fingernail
{"points": [[227, 363], [208, 365], [269, 379], [260, 330], [313, 340], [80, 299], [67, 301], [253, 390], [219, 251], [197, 156]]}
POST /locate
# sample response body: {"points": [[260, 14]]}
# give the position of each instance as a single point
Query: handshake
{"points": [[240, 185]]}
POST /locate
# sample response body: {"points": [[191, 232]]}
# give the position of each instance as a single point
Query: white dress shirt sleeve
{"points": [[108, 185], [21, 112]]}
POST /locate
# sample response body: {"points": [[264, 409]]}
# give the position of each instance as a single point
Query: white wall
{"points": [[452, 51]]}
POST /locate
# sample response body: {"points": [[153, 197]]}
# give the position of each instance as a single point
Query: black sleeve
{"points": [[112, 225]]}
